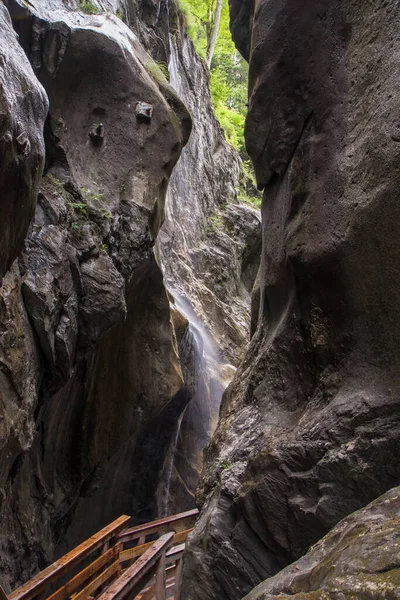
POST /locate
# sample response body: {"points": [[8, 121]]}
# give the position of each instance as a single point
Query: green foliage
{"points": [[80, 208], [224, 464], [106, 214], [88, 7], [158, 70], [228, 76], [55, 182], [248, 193], [95, 197], [216, 222], [163, 68], [76, 226], [253, 201]]}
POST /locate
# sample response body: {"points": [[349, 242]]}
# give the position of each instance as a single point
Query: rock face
{"points": [[212, 253], [91, 384], [90, 371], [358, 559], [210, 249], [23, 108], [310, 426]]}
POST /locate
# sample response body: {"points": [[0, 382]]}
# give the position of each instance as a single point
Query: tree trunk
{"points": [[214, 35]]}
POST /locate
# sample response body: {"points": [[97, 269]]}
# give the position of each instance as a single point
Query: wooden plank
{"points": [[132, 576], [161, 580], [171, 590], [40, 582], [175, 553], [150, 592], [96, 583], [84, 575], [3, 595], [132, 553], [178, 578], [176, 549], [170, 572], [154, 526], [147, 594]]}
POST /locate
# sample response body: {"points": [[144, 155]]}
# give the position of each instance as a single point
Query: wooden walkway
{"points": [[142, 563]]}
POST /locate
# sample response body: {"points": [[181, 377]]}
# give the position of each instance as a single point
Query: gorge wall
{"points": [[210, 248], [91, 381], [358, 559], [310, 425]]}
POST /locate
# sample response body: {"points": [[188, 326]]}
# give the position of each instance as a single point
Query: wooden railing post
{"points": [[178, 578], [161, 581], [105, 547], [144, 567]]}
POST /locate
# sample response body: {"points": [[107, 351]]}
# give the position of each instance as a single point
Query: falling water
{"points": [[206, 379], [204, 375], [173, 68]]}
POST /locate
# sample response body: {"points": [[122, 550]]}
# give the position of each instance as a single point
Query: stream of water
{"points": [[205, 376]]}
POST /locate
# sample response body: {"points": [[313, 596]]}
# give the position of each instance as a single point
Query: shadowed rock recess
{"points": [[310, 426], [359, 559], [91, 383]]}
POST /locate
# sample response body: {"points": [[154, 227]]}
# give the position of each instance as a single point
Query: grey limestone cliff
{"points": [[23, 109], [92, 386], [210, 249], [88, 354], [310, 426]]}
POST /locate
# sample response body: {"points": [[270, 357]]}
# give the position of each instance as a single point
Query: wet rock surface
{"points": [[211, 254], [92, 388], [358, 559], [88, 354], [23, 109], [310, 426], [210, 247]]}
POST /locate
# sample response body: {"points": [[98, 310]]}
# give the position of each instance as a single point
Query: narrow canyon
{"points": [[164, 344]]}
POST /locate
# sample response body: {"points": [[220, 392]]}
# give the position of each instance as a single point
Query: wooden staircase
{"points": [[143, 563]]}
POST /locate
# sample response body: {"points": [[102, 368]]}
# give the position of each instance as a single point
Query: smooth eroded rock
{"points": [[310, 426], [23, 109], [87, 315], [358, 559]]}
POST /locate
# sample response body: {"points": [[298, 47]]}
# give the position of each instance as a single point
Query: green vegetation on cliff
{"points": [[228, 70]]}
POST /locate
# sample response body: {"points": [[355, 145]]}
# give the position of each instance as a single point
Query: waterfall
{"points": [[205, 376], [173, 69]]}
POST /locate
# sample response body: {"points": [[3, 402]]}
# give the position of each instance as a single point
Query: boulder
{"points": [[358, 559]]}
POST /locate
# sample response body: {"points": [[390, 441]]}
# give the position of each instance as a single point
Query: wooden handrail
{"points": [[176, 551], [82, 577], [155, 526], [42, 580], [132, 553], [132, 576], [103, 557]]}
